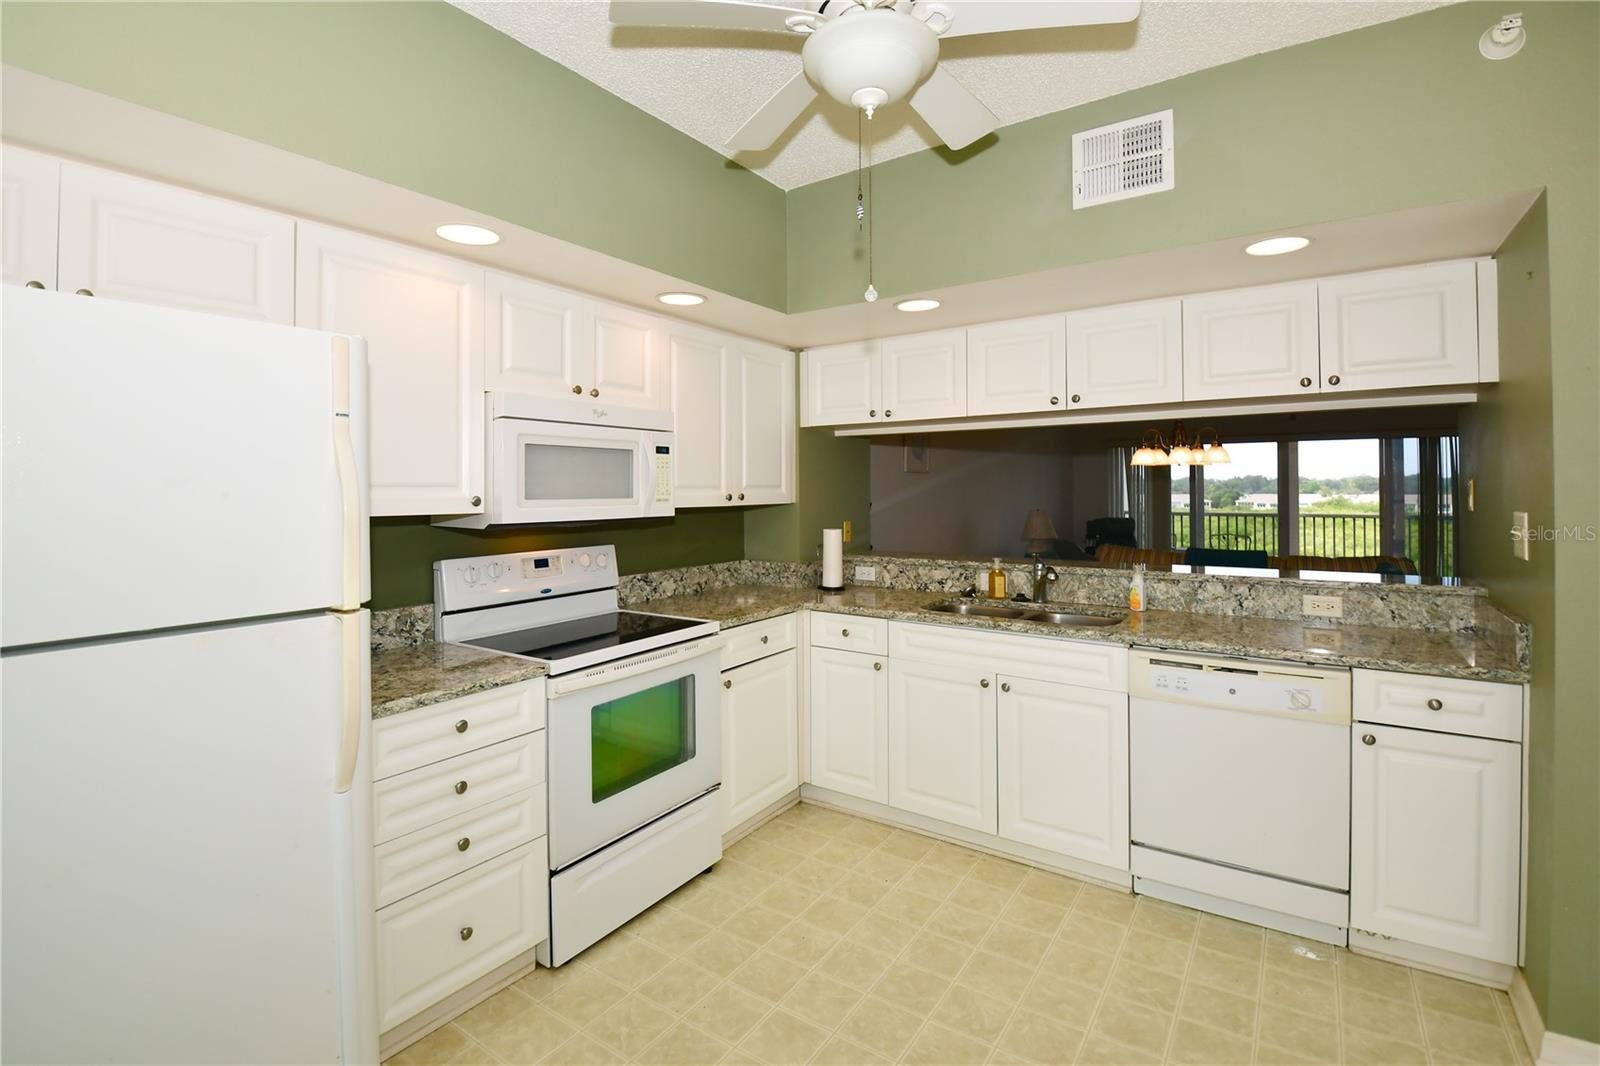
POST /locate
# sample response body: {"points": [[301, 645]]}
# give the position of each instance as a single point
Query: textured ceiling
{"points": [[708, 82]]}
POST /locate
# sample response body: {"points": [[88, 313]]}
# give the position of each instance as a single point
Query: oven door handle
{"points": [[647, 663]]}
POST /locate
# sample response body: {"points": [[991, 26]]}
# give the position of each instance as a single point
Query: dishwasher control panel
{"points": [[1235, 684]]}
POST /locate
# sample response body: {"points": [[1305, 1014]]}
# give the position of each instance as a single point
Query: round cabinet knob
{"points": [[872, 413], [877, 666], [983, 682], [728, 496], [1305, 383], [1054, 400], [888, 413], [741, 495], [85, 292], [477, 501], [1333, 379], [1076, 398], [1436, 704], [844, 632], [35, 284], [577, 390], [727, 684], [461, 726], [1005, 686], [765, 640], [461, 787], [466, 932], [464, 843], [1368, 739], [594, 392]]}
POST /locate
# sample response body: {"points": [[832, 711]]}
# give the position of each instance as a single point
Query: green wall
{"points": [[426, 97], [834, 482], [404, 549]]}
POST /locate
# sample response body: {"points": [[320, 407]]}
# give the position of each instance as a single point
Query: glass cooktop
{"points": [[579, 636]]}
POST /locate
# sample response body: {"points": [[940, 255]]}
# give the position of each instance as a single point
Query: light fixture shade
{"points": [[1148, 456], [1180, 456], [1038, 527], [1219, 454]]}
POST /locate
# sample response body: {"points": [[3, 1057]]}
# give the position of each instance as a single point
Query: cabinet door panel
{"points": [[701, 406], [1398, 329], [1129, 354], [30, 203], [841, 384], [627, 353], [761, 433], [1252, 342], [760, 736], [125, 238], [848, 710], [1017, 366], [534, 338], [1435, 839], [1064, 769], [422, 317], [942, 742], [925, 376]]}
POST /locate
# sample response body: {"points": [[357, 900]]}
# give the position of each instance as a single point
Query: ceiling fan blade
{"points": [[968, 17], [717, 14], [774, 116], [957, 116]]}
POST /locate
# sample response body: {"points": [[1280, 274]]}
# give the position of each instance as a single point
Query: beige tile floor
{"points": [[826, 938]]}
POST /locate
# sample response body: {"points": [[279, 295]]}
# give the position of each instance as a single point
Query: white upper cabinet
{"points": [[627, 354], [28, 204], [535, 338], [1250, 342], [422, 317], [1063, 753], [1125, 355], [849, 723], [1397, 329], [925, 375], [841, 384], [1434, 839], [760, 430], [942, 741], [760, 736], [700, 408], [126, 238], [1017, 366]]}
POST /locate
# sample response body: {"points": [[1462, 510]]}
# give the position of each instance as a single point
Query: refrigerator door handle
{"points": [[344, 451], [352, 639]]}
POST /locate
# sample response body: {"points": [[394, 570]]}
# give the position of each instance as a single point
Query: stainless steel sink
{"points": [[1025, 614]]}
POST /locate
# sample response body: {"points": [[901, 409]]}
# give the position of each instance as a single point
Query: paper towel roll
{"points": [[833, 558]]}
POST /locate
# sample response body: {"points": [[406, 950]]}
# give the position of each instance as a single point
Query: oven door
{"points": [[564, 472], [630, 741]]}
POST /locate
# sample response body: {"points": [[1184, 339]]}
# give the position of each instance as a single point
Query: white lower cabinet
{"points": [[1435, 839], [942, 742], [849, 719], [760, 736], [1063, 769]]}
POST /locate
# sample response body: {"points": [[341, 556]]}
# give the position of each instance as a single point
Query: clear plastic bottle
{"points": [[997, 581], [1136, 588]]}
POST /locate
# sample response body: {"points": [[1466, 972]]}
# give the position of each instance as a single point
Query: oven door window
{"points": [[555, 472], [635, 737]]}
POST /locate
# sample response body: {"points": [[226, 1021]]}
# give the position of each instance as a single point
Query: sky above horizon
{"points": [[1318, 459]]}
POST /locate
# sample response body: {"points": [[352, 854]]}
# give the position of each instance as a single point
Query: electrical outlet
{"points": [[1519, 535], [1322, 606], [846, 531], [866, 573]]}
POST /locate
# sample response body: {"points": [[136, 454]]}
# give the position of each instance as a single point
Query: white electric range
{"points": [[634, 727]]}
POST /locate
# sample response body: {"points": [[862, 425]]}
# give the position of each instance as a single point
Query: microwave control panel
{"points": [[663, 474]]}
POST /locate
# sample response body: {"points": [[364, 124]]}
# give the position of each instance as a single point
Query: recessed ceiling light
{"points": [[681, 299], [1277, 245], [920, 304], [461, 233]]}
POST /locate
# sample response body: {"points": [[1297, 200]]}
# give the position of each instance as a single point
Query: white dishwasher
{"points": [[1240, 788]]}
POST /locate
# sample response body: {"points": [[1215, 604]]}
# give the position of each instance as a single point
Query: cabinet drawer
{"points": [[1069, 662], [747, 643], [849, 632], [408, 802], [422, 859], [1442, 704], [411, 739], [445, 938]]}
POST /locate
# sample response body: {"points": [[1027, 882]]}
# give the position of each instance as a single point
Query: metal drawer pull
{"points": [[466, 932], [1005, 686], [464, 843], [461, 726], [877, 666], [35, 284], [461, 787], [1368, 739], [85, 292], [844, 632], [983, 682], [765, 639], [1436, 704], [727, 683]]}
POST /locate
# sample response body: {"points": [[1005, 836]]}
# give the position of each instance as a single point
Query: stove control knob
{"points": [[493, 570], [472, 575], [604, 560], [583, 560]]}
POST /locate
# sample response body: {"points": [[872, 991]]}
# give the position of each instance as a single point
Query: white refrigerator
{"points": [[185, 823]]}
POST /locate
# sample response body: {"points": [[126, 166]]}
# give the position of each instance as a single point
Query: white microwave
{"points": [[555, 460]]}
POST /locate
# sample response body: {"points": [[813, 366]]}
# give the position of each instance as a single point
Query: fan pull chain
{"points": [[872, 293], [861, 207]]}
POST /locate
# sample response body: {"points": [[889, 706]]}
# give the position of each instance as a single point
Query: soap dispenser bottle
{"points": [[1136, 588], [997, 581]]}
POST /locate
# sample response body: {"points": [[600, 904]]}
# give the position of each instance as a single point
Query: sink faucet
{"points": [[1042, 576]]}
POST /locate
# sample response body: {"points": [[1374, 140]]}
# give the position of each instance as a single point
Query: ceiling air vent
{"points": [[1124, 159]]}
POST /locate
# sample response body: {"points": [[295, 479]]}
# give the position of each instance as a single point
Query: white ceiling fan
{"points": [[868, 53]]}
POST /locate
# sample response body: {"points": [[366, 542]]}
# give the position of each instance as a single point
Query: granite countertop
{"points": [[406, 678], [1444, 654]]}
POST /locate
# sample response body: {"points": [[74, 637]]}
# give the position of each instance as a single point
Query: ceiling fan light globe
{"points": [[879, 55]]}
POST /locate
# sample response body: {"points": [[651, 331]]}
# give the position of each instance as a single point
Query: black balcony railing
{"points": [[1321, 533]]}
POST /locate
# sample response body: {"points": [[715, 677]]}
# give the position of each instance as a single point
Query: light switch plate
{"points": [[1322, 606], [866, 573], [1519, 535]]}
